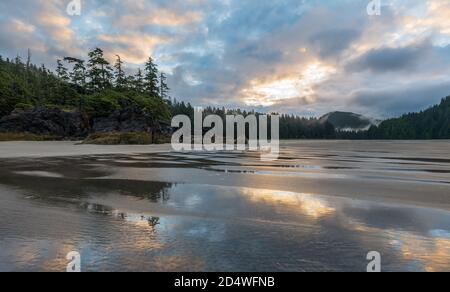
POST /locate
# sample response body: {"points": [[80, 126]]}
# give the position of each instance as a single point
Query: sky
{"points": [[305, 57]]}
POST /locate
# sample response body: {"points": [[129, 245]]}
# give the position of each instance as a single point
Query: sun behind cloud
{"points": [[261, 93]]}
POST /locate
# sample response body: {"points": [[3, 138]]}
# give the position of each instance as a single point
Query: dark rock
{"points": [[55, 122], [46, 121], [129, 118]]}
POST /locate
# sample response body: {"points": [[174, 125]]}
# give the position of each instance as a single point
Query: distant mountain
{"points": [[345, 121]]}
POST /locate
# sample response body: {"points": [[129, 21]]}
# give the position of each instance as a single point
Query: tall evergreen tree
{"points": [[28, 59], [139, 81], [99, 71], [119, 75], [163, 87], [61, 71], [78, 74], [151, 78]]}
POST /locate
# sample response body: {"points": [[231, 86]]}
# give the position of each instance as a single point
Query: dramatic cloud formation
{"points": [[297, 56]]}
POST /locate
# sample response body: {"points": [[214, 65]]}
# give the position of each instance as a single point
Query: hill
{"points": [[346, 121]]}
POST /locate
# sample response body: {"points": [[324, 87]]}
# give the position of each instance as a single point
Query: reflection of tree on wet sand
{"points": [[52, 188], [153, 221]]}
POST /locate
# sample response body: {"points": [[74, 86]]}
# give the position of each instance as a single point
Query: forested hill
{"points": [[345, 121], [433, 123], [24, 85], [93, 86]]}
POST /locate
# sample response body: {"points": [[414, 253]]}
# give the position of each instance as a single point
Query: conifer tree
{"points": [[61, 71], [78, 74], [139, 81], [99, 71], [151, 87], [119, 74], [163, 88]]}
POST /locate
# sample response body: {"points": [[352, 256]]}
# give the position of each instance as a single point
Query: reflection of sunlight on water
{"points": [[308, 205]]}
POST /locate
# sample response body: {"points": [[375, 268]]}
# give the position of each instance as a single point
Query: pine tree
{"points": [[151, 78], [99, 71], [119, 75], [29, 59], [139, 81], [61, 72], [163, 88], [78, 74]]}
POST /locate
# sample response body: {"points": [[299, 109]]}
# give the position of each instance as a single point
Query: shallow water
{"points": [[321, 207]]}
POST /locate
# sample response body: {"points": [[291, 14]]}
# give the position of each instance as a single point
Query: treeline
{"points": [[24, 85], [97, 74], [291, 126], [433, 123]]}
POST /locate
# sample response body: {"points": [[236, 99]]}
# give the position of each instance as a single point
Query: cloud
{"points": [[305, 57], [391, 59], [397, 101], [333, 42], [20, 27], [134, 48]]}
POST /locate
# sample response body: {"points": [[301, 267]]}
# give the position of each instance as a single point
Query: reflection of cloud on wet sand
{"points": [[306, 204], [59, 261], [419, 252], [430, 254], [178, 263]]}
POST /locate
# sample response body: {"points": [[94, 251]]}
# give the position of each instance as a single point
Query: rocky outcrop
{"points": [[46, 121], [58, 123], [129, 118]]}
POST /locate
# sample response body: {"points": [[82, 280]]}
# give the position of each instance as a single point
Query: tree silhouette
{"points": [[119, 74], [163, 87], [151, 78], [61, 71], [99, 71]]}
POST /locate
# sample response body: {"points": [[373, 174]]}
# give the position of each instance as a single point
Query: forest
{"points": [[96, 88]]}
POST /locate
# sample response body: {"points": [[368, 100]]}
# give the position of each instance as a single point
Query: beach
{"points": [[322, 206]]}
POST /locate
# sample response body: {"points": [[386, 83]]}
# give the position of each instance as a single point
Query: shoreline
{"points": [[45, 149]]}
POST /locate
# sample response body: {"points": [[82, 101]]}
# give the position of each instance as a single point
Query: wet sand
{"points": [[71, 148], [321, 207]]}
